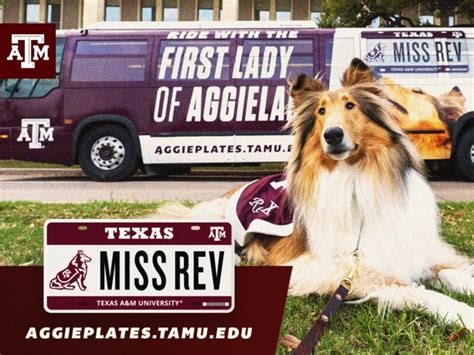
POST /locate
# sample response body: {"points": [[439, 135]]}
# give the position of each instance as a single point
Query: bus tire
{"points": [[107, 153], [464, 157]]}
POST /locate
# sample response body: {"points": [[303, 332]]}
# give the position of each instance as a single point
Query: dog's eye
{"points": [[322, 111], [349, 105]]}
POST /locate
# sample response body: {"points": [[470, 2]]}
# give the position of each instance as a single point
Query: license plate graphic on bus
{"points": [[106, 266]]}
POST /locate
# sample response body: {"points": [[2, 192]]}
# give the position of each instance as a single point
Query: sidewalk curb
{"points": [[38, 171], [78, 172]]}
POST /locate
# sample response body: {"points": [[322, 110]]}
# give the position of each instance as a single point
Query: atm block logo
{"points": [[27, 51]]}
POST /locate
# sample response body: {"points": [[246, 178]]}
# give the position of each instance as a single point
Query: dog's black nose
{"points": [[334, 135]]}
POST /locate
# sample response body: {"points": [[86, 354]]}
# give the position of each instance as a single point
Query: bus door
{"points": [[35, 111], [6, 122], [34, 116], [193, 109], [263, 67]]}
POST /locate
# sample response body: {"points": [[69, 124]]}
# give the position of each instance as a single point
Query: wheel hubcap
{"points": [[107, 153], [472, 153]]}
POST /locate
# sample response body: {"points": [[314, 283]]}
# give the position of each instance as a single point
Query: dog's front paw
{"points": [[457, 280], [466, 317]]}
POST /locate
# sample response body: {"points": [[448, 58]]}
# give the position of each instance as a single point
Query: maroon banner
{"points": [[252, 328], [27, 51]]}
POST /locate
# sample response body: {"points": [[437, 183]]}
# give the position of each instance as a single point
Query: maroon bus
{"points": [[154, 95]]}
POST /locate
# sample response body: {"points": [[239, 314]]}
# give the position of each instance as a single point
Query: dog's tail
{"points": [[255, 252]]}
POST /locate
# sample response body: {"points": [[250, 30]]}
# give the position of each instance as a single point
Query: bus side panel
{"points": [[109, 91], [37, 132], [131, 103], [428, 73], [242, 106], [56, 151], [5, 145]]}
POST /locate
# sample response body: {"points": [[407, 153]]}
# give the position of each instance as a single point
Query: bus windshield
{"points": [[33, 88]]}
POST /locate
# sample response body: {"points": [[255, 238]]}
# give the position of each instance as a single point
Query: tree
{"points": [[445, 8], [350, 13]]}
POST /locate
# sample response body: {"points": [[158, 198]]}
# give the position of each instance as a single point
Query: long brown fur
{"points": [[385, 151], [268, 250]]}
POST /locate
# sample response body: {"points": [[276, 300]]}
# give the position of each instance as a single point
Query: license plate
{"points": [[116, 266]]}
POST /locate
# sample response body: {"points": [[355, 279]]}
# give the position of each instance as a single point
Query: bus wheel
{"points": [[107, 153], [465, 155]]}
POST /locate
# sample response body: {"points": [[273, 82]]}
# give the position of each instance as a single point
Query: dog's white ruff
{"points": [[400, 241], [400, 237]]}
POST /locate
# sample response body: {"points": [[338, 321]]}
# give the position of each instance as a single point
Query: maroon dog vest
{"points": [[261, 207]]}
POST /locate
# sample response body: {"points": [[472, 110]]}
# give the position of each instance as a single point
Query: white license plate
{"points": [[108, 266]]}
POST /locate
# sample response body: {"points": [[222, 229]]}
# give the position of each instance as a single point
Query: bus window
{"points": [[7, 86], [97, 48], [45, 86], [60, 41], [34, 87], [24, 88], [103, 69], [285, 58], [109, 61]]}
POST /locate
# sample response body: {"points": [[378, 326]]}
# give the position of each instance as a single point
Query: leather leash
{"points": [[312, 338]]}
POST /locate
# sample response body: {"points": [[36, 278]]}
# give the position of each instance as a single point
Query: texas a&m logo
{"points": [[34, 50], [217, 233], [74, 274], [36, 131], [27, 51]]}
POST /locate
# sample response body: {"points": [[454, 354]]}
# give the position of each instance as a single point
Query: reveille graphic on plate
{"points": [[116, 266]]}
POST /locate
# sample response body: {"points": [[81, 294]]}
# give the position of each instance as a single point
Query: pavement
{"points": [[70, 185]]}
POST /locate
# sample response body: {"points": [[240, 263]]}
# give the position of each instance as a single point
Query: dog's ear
{"points": [[452, 103], [357, 73], [302, 86], [456, 96]]}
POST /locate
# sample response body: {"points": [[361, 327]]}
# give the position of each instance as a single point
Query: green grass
{"points": [[356, 328], [21, 224]]}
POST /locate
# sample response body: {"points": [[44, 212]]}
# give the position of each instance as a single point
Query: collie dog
{"points": [[354, 175]]}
